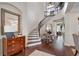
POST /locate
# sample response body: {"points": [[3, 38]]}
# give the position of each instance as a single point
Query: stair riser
{"points": [[34, 44], [34, 40], [34, 32], [33, 36]]}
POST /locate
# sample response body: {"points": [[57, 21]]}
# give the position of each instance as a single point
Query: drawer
{"points": [[9, 50], [9, 41], [12, 46], [12, 41], [22, 46], [22, 39], [22, 42], [13, 50], [9, 44]]}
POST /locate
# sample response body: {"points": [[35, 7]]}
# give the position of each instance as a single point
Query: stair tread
{"points": [[34, 34], [33, 38]]}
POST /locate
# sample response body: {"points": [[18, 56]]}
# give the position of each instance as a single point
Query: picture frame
{"points": [[10, 21]]}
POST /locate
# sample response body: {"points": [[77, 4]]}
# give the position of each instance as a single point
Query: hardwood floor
{"points": [[48, 49]]}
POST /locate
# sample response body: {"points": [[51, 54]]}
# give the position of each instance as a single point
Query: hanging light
{"points": [[50, 5]]}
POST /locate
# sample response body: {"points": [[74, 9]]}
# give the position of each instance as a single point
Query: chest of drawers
{"points": [[13, 46]]}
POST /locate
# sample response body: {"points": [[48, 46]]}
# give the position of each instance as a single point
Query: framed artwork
{"points": [[10, 21]]}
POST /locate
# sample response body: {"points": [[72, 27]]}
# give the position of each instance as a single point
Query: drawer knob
{"points": [[13, 49], [21, 45], [13, 41]]}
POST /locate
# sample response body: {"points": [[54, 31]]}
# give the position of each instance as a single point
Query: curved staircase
{"points": [[33, 38]]}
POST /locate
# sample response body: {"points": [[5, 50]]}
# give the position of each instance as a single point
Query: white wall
{"points": [[71, 23], [71, 27], [22, 7], [34, 14]]}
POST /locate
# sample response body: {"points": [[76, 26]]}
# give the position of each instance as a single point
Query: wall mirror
{"points": [[10, 21]]}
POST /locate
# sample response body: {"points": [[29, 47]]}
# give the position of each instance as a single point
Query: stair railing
{"points": [[43, 21]]}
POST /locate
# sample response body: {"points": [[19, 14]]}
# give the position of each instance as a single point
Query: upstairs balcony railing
{"points": [[52, 11]]}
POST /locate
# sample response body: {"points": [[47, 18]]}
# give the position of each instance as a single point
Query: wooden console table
{"points": [[13, 46]]}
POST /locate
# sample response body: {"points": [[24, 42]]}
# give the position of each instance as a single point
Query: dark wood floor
{"points": [[48, 49]]}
